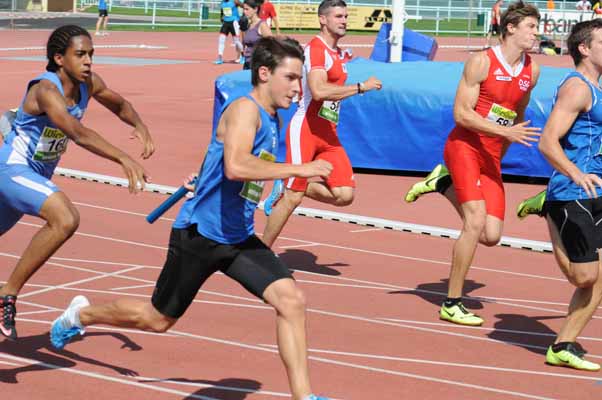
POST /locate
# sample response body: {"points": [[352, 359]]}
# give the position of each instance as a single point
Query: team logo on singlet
{"points": [[524, 84], [498, 72]]}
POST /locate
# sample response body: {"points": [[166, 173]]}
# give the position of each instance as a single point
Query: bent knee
{"points": [[344, 199], [584, 281], [154, 321], [490, 240], [68, 222], [292, 198], [291, 303]]}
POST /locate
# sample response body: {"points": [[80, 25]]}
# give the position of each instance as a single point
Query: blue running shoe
{"points": [[274, 197], [241, 60], [314, 397], [219, 61], [63, 329]]}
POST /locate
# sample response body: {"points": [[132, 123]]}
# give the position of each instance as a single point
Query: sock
{"points": [[237, 44], [220, 45], [451, 301], [443, 184], [560, 346], [72, 317]]}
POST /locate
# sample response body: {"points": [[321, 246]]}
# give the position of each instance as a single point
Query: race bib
{"points": [[252, 190], [51, 146], [330, 111], [501, 115], [227, 11]]}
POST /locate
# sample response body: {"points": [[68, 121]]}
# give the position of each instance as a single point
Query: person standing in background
{"points": [[103, 18]]}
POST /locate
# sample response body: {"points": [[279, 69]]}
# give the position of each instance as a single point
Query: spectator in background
{"points": [[103, 18], [597, 9], [257, 29], [551, 5], [494, 28], [267, 13], [583, 5]]}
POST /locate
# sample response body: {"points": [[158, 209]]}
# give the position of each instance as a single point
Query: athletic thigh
{"points": [[492, 188], [577, 226], [342, 171], [464, 167], [256, 266], [191, 260], [23, 191]]}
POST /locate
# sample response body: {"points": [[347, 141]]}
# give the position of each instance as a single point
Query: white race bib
{"points": [[330, 111], [501, 115], [253, 190], [52, 144], [227, 12]]}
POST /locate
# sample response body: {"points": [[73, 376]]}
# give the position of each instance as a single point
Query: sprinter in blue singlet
{"points": [[572, 143], [48, 118], [214, 229]]}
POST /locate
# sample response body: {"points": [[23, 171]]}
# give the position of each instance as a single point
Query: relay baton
{"points": [[167, 204]]}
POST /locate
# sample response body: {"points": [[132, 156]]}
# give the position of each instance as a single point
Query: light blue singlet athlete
{"points": [[230, 11], [29, 156], [582, 145], [224, 209]]}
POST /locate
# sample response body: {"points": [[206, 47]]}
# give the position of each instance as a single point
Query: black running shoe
{"points": [[9, 310]]}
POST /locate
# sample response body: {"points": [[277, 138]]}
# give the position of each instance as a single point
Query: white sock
{"points": [[220, 45], [237, 44], [72, 317]]}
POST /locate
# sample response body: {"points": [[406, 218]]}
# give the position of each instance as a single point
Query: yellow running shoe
{"points": [[571, 357], [459, 315], [532, 205], [428, 185]]}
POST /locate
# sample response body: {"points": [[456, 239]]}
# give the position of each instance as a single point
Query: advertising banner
{"points": [[305, 16]]}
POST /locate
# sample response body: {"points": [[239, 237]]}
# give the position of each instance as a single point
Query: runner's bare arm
{"points": [[122, 108], [49, 100], [321, 89], [237, 129], [574, 97], [467, 95]]}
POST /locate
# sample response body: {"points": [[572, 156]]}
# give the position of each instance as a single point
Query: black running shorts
{"points": [[192, 259], [494, 29], [103, 13], [231, 28], [579, 223]]}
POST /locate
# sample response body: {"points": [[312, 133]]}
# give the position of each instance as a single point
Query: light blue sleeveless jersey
{"points": [[224, 209], [230, 11], [34, 140], [582, 145]]}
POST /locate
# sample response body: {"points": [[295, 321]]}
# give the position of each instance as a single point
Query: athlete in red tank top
{"points": [[489, 110]]}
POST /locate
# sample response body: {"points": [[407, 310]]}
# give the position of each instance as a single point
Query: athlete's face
{"points": [[593, 52], [335, 21], [77, 60], [525, 33], [285, 82], [250, 12]]}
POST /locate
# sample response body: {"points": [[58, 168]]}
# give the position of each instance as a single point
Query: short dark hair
{"points": [[254, 4], [515, 13], [581, 33], [270, 51], [59, 41], [326, 4]]}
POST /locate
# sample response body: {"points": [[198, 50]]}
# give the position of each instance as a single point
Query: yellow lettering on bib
{"points": [[501, 115], [51, 146]]}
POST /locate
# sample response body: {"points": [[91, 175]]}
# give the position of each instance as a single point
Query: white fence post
{"points": [[449, 10], [437, 23], [396, 36], [154, 14]]}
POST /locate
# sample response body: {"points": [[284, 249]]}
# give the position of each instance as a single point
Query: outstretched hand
{"points": [[141, 133]]}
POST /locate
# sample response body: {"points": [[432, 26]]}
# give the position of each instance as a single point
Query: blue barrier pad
{"points": [[416, 46], [404, 126]]}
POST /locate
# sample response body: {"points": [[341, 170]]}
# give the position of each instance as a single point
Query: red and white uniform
{"points": [[312, 132], [267, 13], [474, 158]]}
